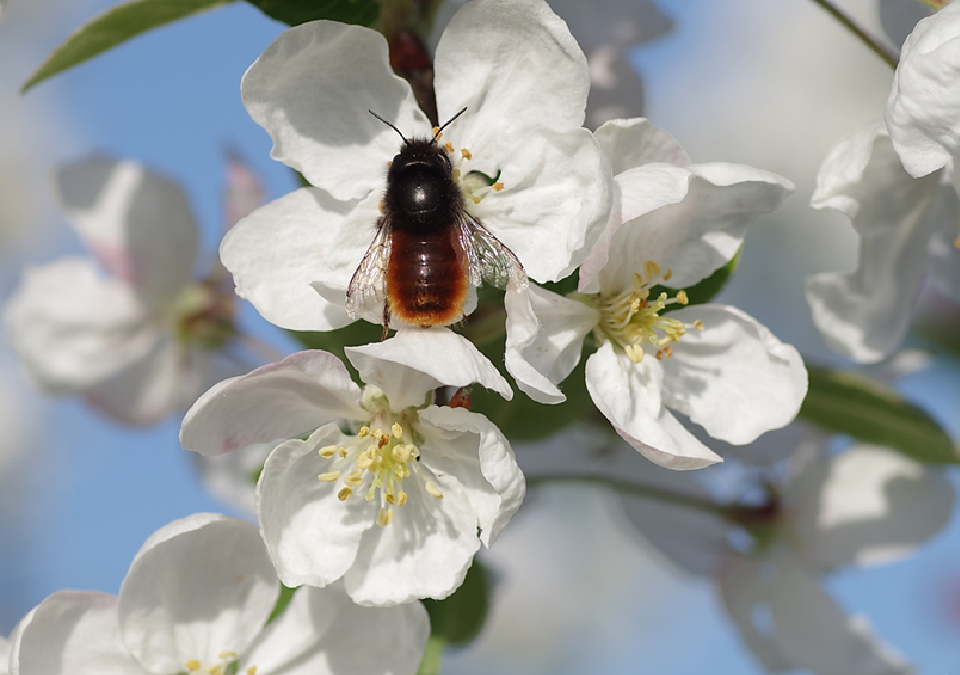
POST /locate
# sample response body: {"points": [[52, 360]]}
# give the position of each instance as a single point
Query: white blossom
{"points": [[143, 339], [523, 80], [197, 599], [673, 223], [407, 490], [908, 228]]}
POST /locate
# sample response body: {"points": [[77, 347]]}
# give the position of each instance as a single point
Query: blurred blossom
{"points": [[143, 340], [404, 499], [908, 229], [673, 224], [868, 505], [196, 599], [244, 190], [232, 477]]}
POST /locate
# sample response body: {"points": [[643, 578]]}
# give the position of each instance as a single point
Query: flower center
{"points": [[632, 319], [228, 664], [204, 313], [474, 184], [376, 461]]}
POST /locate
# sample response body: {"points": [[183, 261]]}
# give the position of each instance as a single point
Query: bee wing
{"points": [[368, 285], [490, 260]]}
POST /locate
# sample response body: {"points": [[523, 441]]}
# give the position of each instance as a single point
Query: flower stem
{"points": [[845, 20], [432, 656], [726, 511]]}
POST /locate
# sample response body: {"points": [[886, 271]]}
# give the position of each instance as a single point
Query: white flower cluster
{"points": [[373, 496]]}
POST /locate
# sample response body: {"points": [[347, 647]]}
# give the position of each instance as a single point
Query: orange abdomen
{"points": [[427, 278]]}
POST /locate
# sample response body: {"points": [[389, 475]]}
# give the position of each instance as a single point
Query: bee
{"points": [[428, 249]]}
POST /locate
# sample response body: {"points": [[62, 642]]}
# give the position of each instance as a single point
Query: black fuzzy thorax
{"points": [[421, 196]]}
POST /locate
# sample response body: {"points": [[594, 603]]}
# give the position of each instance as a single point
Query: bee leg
{"points": [[386, 320]]}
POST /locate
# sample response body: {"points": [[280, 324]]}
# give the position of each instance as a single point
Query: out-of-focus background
{"points": [[769, 84]]}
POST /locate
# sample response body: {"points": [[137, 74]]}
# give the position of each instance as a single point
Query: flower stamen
{"points": [[632, 319]]}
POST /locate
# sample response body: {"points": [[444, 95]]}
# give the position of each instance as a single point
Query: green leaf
{"points": [[847, 403], [295, 12], [459, 618], [113, 27]]}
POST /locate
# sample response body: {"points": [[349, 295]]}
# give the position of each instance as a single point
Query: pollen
{"points": [[466, 153], [192, 665], [437, 133], [378, 463], [498, 186], [448, 147], [632, 319]]}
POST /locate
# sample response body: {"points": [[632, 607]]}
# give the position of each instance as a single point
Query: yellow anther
{"points": [[466, 153], [401, 499], [228, 655], [659, 355], [437, 133], [498, 186], [389, 164], [252, 670], [214, 670], [328, 451], [354, 479], [380, 206], [365, 460], [456, 174], [385, 517], [448, 147], [433, 490], [342, 451], [192, 665], [391, 499], [364, 432], [668, 352], [397, 431], [377, 433], [476, 200], [329, 476], [682, 298], [651, 270], [698, 324], [668, 275], [344, 493]]}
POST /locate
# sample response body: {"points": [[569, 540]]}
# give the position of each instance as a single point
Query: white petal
{"points": [[637, 192], [808, 630], [631, 143], [72, 328], [277, 401], [556, 201], [734, 378], [481, 459], [149, 389], [312, 536], [869, 505], [628, 395], [277, 251], [864, 315], [515, 66], [72, 633], [424, 553], [696, 235], [322, 632], [312, 89], [231, 477], [545, 333], [923, 110], [199, 586], [417, 360], [137, 223]]}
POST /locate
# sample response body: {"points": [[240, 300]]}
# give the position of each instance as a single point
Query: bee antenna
{"points": [[448, 123], [393, 126]]}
